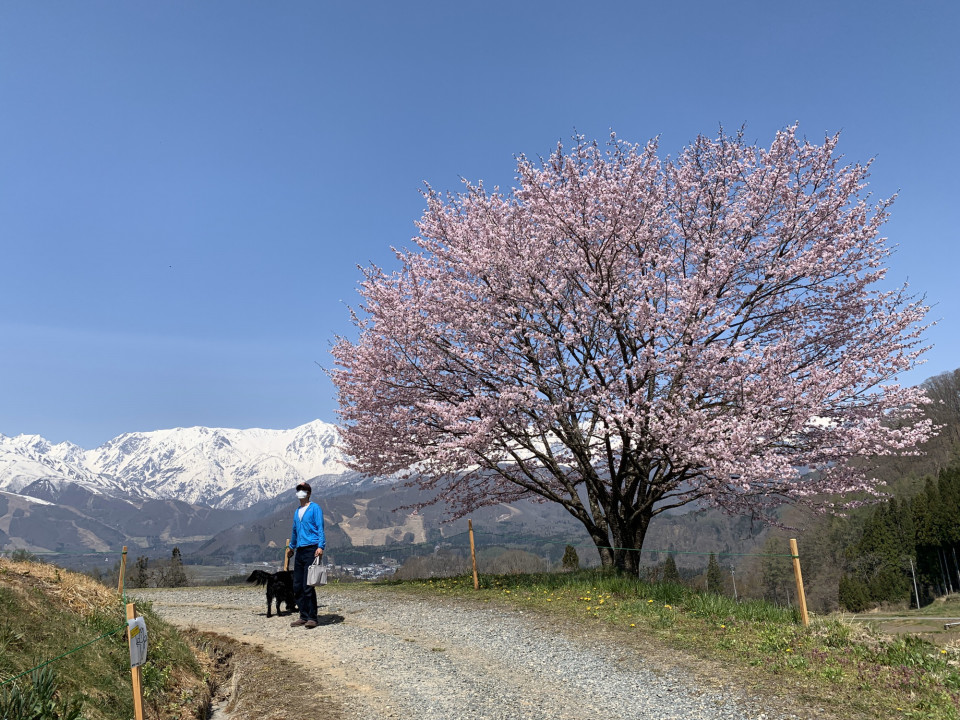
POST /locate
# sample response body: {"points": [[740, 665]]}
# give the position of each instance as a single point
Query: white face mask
{"points": [[302, 494]]}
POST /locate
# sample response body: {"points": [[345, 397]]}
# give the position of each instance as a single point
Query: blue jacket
{"points": [[308, 531]]}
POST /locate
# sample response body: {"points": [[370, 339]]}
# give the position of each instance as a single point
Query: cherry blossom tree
{"points": [[625, 335]]}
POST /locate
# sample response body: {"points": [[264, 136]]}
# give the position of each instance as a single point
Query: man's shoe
{"points": [[298, 623], [310, 624]]}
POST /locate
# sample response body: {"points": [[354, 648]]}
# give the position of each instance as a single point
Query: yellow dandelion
{"points": [[723, 627], [668, 607], [649, 601], [789, 650], [633, 624]]}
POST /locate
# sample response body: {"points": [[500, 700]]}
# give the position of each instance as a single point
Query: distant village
{"points": [[373, 571], [385, 567]]}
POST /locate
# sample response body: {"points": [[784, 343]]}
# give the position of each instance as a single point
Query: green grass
{"points": [[832, 663], [942, 607], [52, 614]]}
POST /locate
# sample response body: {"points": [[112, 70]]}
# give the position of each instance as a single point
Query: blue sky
{"points": [[187, 188]]}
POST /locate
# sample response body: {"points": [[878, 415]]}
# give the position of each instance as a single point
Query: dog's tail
{"points": [[259, 577]]}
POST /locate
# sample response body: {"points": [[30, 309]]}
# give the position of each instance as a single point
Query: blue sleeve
{"points": [[321, 541], [293, 532]]}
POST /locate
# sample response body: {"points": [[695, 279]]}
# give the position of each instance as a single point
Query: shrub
{"points": [[570, 561], [40, 700], [853, 594]]}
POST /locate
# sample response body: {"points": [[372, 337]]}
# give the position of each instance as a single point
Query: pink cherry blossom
{"points": [[624, 335]]}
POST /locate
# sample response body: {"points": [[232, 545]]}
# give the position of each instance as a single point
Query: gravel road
{"points": [[392, 656]]}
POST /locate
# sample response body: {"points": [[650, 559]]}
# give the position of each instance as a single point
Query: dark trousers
{"points": [[306, 595]]}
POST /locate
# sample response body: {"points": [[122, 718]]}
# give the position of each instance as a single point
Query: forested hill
{"points": [[864, 559], [906, 537]]}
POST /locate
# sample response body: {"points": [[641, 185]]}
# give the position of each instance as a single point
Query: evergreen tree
{"points": [[776, 571], [670, 572], [714, 576], [141, 576], [853, 594], [570, 561], [929, 573], [949, 482], [923, 529], [176, 577], [925, 516], [876, 562], [949, 487], [905, 528]]}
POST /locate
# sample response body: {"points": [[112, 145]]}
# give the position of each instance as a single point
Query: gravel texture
{"points": [[388, 655]]}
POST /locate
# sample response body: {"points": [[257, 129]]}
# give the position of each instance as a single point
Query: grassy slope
{"points": [[942, 607], [46, 612], [850, 669]]}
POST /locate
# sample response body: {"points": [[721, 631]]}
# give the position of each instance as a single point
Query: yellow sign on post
{"points": [[139, 640]]}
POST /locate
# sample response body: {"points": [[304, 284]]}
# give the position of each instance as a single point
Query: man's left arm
{"points": [[321, 539]]}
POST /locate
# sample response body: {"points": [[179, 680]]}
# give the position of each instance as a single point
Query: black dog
{"points": [[279, 587]]}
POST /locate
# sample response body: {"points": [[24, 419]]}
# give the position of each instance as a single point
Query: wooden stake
{"points": [[123, 571], [800, 594], [135, 672], [286, 558], [473, 555]]}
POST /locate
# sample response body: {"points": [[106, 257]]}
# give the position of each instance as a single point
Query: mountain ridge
{"points": [[225, 495], [223, 468]]}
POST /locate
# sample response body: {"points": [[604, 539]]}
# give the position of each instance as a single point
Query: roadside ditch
{"points": [[248, 683]]}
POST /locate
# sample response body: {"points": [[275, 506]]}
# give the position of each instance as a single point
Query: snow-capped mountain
{"points": [[217, 467], [25, 459]]}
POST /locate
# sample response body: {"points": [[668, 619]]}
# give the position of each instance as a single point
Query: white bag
{"points": [[316, 573]]}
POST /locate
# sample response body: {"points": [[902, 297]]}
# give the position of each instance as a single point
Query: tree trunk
{"points": [[607, 556], [621, 550]]}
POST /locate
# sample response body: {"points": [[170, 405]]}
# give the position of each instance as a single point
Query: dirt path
{"points": [[380, 656]]}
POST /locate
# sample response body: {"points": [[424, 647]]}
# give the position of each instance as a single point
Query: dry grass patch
{"points": [[75, 628]]}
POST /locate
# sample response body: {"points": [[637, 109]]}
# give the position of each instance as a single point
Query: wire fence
{"points": [[354, 555], [458, 541], [486, 541], [590, 545]]}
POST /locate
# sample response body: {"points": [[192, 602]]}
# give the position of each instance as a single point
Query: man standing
{"points": [[307, 541]]}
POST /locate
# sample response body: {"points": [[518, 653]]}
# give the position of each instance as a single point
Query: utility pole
{"points": [[916, 594]]}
